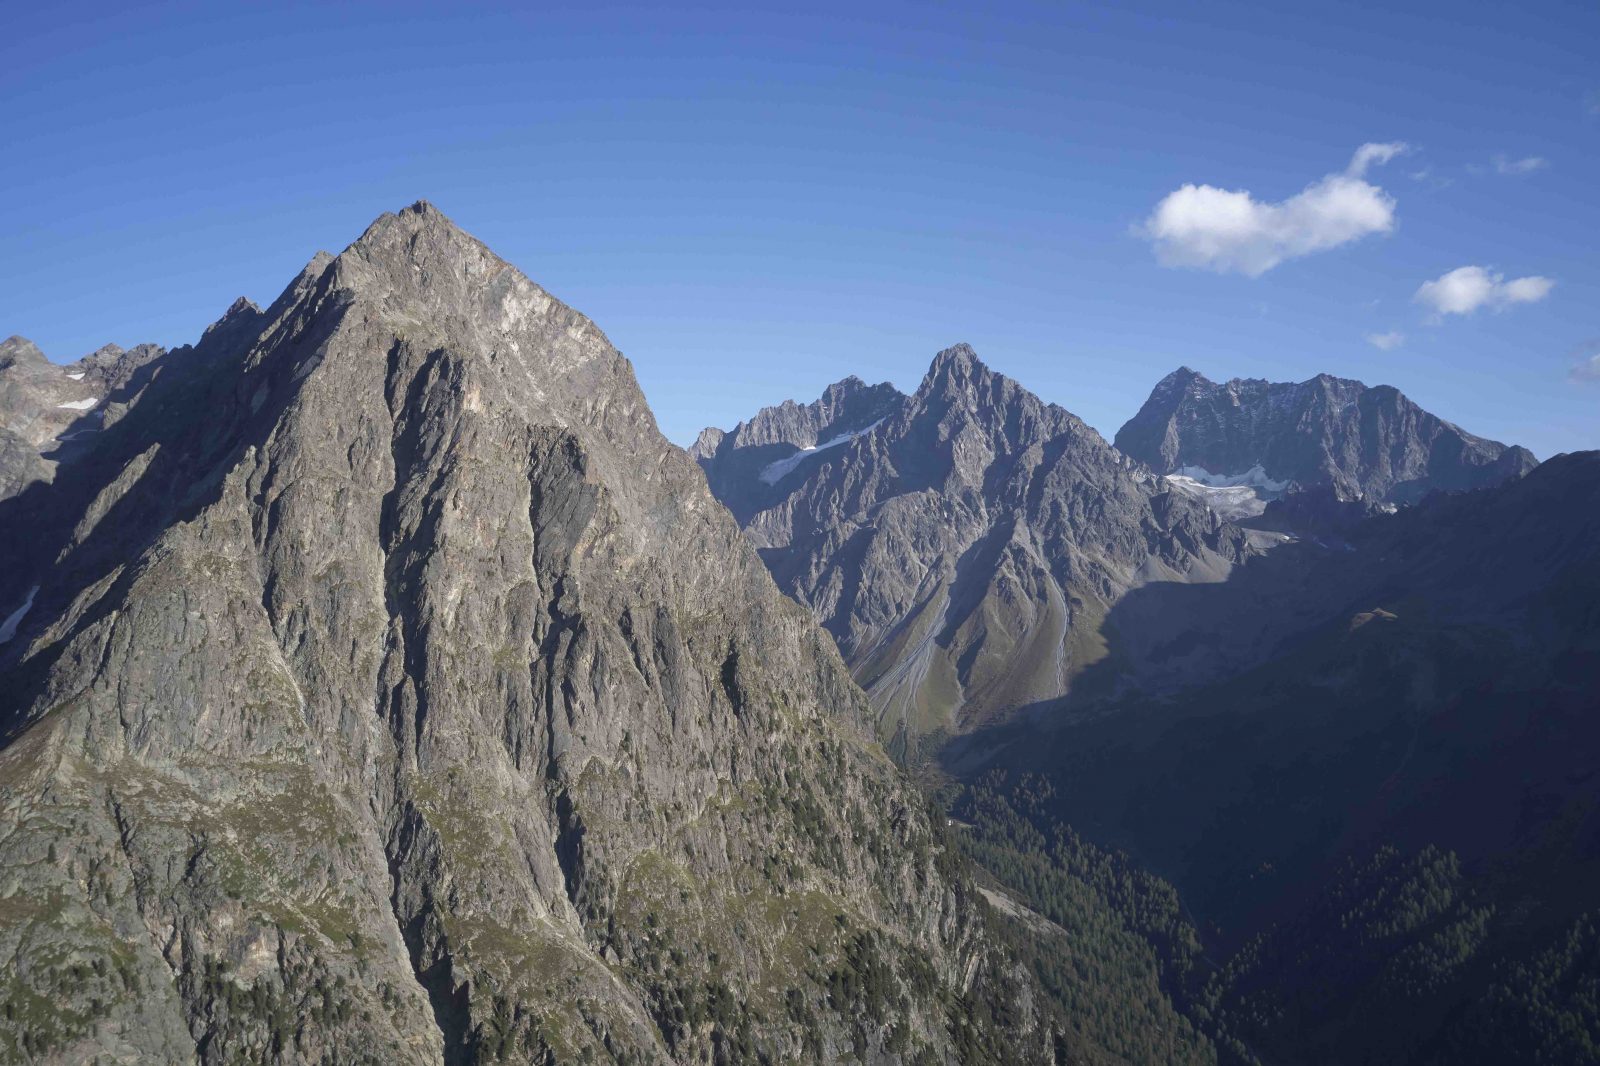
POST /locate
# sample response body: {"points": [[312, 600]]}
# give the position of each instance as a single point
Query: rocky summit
{"points": [[963, 544], [382, 687]]}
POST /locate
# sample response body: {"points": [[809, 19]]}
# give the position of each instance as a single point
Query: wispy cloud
{"points": [[1465, 289], [1374, 154], [1426, 175], [1517, 167], [1230, 231], [1586, 363], [1586, 372], [1386, 342]]}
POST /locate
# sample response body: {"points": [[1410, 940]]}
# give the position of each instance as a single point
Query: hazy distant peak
{"points": [[16, 350]]}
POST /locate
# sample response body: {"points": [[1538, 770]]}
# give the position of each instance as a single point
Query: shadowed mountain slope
{"points": [[1380, 800]]}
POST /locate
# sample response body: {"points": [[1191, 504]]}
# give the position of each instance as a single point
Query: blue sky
{"points": [[753, 204]]}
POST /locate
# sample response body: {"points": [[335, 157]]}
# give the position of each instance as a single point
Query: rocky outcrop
{"points": [[389, 690], [1365, 444], [754, 465], [51, 414], [963, 544]]}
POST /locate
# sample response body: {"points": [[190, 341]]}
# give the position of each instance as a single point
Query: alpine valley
{"points": [[379, 685]]}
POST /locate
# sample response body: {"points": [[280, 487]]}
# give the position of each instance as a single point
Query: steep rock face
{"points": [[964, 545], [1366, 444], [21, 464], [387, 689]]}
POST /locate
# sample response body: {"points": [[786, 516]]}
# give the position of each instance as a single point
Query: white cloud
{"points": [[1374, 154], [1231, 231], [1465, 289], [1502, 165], [1528, 290], [1387, 342]]}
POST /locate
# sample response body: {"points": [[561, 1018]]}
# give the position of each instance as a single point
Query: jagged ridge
{"points": [[1364, 443], [964, 552]]}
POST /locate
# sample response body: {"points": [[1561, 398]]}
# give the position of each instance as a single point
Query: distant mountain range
{"points": [[966, 544], [962, 544], [1359, 444], [1329, 663]]}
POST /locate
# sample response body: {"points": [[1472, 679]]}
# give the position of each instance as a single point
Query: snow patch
{"points": [[1232, 502], [76, 377], [78, 405], [1233, 496], [1255, 478], [773, 473], [8, 628]]}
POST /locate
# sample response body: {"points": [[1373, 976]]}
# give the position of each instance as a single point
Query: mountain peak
{"points": [[241, 310], [957, 366], [1333, 381], [851, 389], [705, 445], [418, 218], [1180, 379], [956, 356], [17, 349], [421, 252]]}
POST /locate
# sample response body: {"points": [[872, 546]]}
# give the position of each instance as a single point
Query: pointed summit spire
{"points": [[1179, 380], [417, 218], [956, 357], [419, 248], [956, 367], [241, 313]]}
